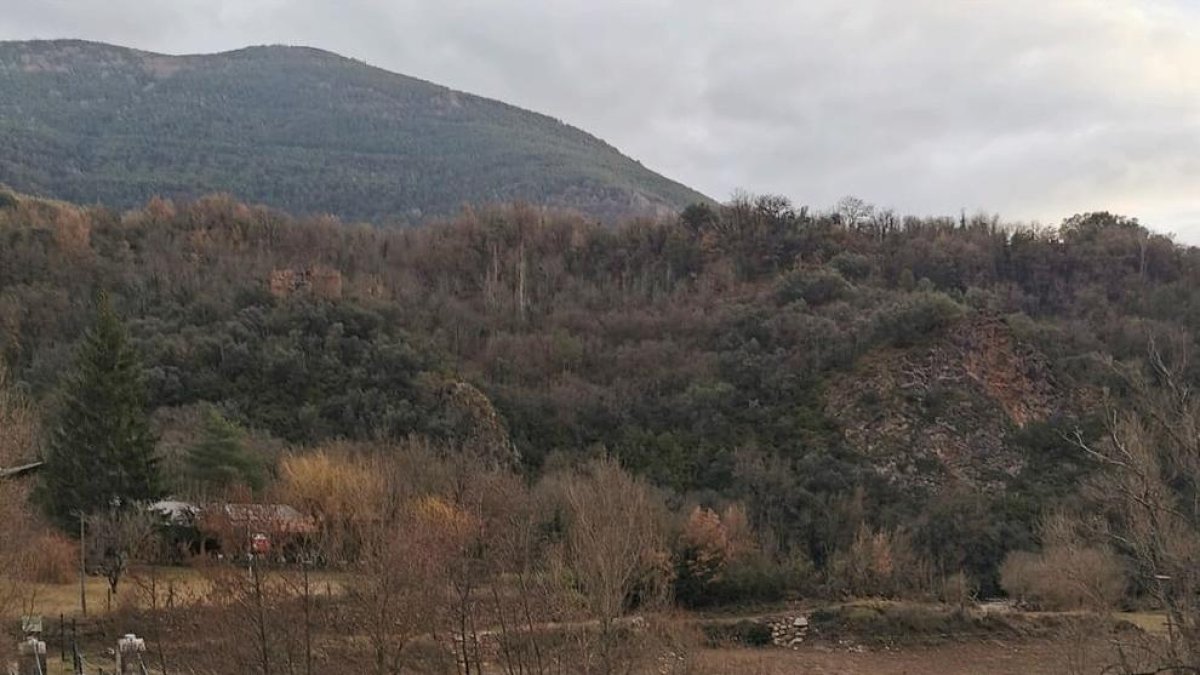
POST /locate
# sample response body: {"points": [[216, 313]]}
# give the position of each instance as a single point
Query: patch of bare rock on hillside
{"points": [[939, 415]]}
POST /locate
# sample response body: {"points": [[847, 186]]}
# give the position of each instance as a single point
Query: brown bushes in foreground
{"points": [[56, 560], [430, 561], [879, 564], [1070, 572]]}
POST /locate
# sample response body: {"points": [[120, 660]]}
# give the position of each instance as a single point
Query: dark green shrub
{"points": [[852, 266], [916, 319], [813, 287], [754, 580]]}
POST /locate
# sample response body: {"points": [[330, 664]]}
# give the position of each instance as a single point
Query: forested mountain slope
{"points": [[816, 367], [299, 129]]}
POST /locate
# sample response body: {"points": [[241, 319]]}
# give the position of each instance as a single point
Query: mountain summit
{"points": [[296, 128]]}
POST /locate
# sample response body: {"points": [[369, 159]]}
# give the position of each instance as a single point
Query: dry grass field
{"points": [[53, 600], [1025, 644]]}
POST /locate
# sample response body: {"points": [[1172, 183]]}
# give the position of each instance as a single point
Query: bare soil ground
{"points": [[974, 658], [1041, 657], [1027, 644]]}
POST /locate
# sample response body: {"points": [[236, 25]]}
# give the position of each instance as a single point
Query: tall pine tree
{"points": [[100, 454]]}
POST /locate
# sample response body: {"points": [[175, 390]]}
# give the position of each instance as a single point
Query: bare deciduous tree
{"points": [[117, 537], [1149, 480], [18, 437], [520, 550], [616, 553], [251, 624], [405, 537], [1073, 571], [880, 563]]}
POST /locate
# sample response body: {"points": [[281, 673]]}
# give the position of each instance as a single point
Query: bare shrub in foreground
{"points": [[117, 537], [1149, 467], [616, 555], [1073, 571], [18, 525], [879, 563]]}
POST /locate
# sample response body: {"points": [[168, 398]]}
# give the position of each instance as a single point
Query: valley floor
{"points": [[1041, 657], [1019, 643], [1032, 657]]}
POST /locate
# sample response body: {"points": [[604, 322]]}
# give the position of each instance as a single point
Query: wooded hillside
{"points": [[300, 129], [820, 368]]}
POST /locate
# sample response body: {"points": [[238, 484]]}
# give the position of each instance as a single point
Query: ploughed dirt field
{"points": [[1028, 657]]}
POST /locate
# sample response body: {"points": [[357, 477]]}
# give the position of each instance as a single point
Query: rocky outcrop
{"points": [[940, 414]]}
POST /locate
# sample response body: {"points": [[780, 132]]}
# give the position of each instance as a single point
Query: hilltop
{"points": [[294, 128]]}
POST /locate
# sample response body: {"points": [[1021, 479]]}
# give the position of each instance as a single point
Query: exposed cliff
{"points": [[940, 414]]}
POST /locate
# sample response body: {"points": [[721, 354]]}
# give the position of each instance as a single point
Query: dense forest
{"points": [[830, 371], [300, 129]]}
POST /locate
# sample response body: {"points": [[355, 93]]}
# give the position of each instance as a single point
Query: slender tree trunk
{"points": [[308, 628], [261, 615], [82, 568]]}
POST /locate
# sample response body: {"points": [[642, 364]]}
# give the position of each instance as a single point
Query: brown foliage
{"points": [[1064, 578], [73, 231], [705, 545], [708, 543], [879, 563], [1149, 467], [339, 491], [18, 525], [616, 552], [52, 559]]}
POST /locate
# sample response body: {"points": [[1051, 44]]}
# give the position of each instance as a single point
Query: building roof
{"points": [[275, 513], [268, 517], [175, 511], [279, 518]]}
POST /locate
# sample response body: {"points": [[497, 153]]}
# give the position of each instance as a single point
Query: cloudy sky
{"points": [[1035, 109]]}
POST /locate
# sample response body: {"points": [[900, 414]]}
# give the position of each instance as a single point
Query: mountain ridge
{"points": [[298, 128]]}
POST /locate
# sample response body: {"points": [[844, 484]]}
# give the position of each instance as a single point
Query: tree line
{"points": [[695, 351]]}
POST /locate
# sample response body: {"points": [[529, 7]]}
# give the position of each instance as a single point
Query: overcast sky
{"points": [[1035, 109]]}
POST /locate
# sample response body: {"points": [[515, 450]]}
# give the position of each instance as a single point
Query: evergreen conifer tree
{"points": [[219, 460], [101, 452]]}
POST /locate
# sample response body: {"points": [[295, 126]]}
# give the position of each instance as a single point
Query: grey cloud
{"points": [[1032, 109]]}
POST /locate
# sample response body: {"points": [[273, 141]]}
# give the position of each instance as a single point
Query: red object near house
{"points": [[260, 544]]}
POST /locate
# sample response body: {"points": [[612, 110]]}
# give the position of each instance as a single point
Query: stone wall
{"points": [[789, 631]]}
